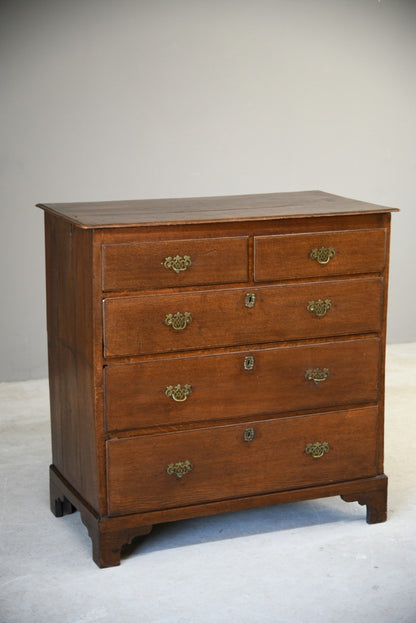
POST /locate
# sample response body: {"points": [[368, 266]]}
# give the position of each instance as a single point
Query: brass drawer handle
{"points": [[179, 393], [178, 321], [322, 255], [318, 375], [179, 469], [319, 307], [177, 263], [317, 449]]}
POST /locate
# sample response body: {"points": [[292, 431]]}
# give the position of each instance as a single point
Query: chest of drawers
{"points": [[214, 354]]}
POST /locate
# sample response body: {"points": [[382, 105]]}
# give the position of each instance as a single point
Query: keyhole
{"points": [[249, 434], [248, 362], [250, 299]]}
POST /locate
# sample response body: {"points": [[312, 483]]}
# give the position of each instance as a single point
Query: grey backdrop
{"points": [[130, 99]]}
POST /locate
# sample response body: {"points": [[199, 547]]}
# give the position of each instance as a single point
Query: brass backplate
{"points": [[178, 321], [179, 469], [318, 375], [317, 449], [178, 263], [319, 307], [322, 255]]}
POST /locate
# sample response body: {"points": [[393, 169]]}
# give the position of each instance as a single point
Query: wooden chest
{"points": [[214, 354]]}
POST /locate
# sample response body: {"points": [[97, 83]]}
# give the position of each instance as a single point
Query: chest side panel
{"points": [[69, 281]]}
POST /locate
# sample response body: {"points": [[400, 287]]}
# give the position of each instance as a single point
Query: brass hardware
{"points": [[179, 393], [249, 434], [318, 375], [322, 255], [250, 299], [317, 449], [179, 469], [319, 307], [178, 321], [178, 263], [248, 362]]}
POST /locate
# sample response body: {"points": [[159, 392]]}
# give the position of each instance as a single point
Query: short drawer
{"points": [[189, 467], [245, 383], [158, 323], [175, 263], [294, 256]]}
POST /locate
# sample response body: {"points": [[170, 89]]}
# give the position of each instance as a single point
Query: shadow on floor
{"points": [[244, 523]]}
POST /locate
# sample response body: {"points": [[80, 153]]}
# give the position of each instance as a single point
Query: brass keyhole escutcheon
{"points": [[248, 362], [249, 434], [250, 299]]}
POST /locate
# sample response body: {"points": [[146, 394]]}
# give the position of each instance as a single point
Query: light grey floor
{"points": [[308, 562]]}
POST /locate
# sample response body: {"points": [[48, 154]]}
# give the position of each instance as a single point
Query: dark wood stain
{"points": [[112, 356]]}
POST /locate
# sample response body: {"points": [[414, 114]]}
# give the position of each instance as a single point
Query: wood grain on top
{"points": [[190, 210]]}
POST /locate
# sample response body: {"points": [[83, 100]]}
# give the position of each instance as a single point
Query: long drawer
{"points": [[244, 383], [319, 254], [160, 323], [189, 467]]}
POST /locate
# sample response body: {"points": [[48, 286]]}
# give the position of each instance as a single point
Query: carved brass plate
{"points": [[179, 469], [178, 263], [179, 393], [322, 255], [319, 307], [318, 375], [178, 321], [317, 449]]}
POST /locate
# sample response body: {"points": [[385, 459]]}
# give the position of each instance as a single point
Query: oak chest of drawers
{"points": [[214, 354]]}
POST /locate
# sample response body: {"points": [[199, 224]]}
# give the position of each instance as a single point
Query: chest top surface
{"points": [[145, 212]]}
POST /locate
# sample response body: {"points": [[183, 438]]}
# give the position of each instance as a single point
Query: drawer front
{"points": [[245, 383], [175, 263], [145, 324], [153, 472], [295, 256]]}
